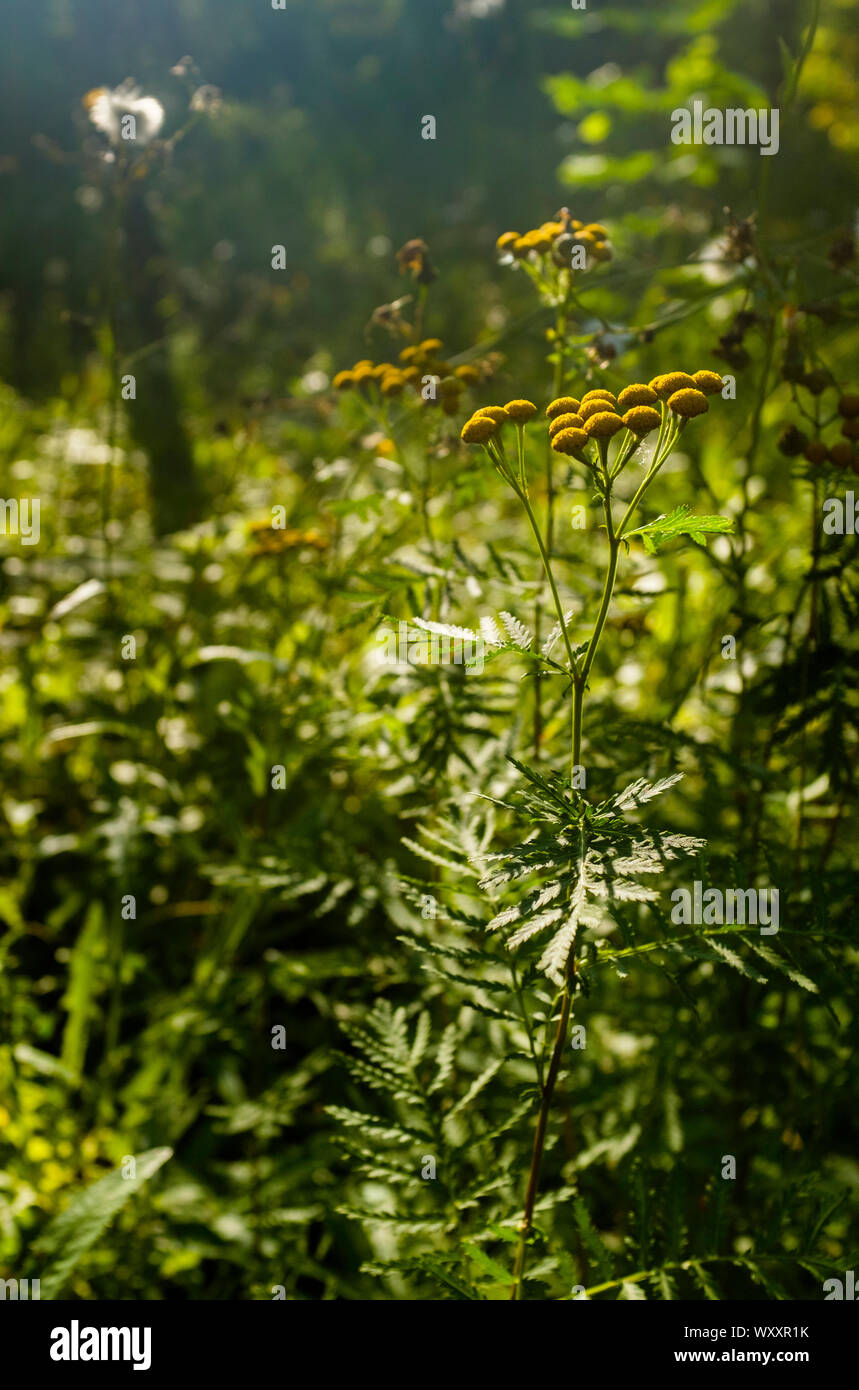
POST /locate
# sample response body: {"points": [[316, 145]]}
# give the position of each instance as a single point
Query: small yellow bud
{"points": [[641, 419], [635, 394], [569, 441], [562, 406], [595, 406], [520, 410], [478, 429], [666, 385], [570, 421], [688, 402], [708, 382], [603, 425], [470, 375]]}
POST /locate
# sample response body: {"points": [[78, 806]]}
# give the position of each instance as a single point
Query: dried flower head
{"points": [[478, 429], [569, 441], [413, 259], [603, 425], [842, 454], [850, 428], [635, 394], [562, 406], [688, 403], [641, 419], [816, 452], [110, 108], [792, 442], [848, 406], [520, 410], [207, 99]]}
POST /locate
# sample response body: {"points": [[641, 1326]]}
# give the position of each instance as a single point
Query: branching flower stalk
{"points": [[583, 429]]}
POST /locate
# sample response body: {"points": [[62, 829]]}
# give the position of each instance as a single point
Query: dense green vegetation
{"points": [[318, 941]]}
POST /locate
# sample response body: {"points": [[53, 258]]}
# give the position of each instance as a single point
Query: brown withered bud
{"points": [[842, 252], [413, 259]]}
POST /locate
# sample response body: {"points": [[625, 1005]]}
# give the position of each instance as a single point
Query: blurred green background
{"points": [[152, 778]]}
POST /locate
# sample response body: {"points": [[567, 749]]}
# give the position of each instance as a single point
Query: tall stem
{"points": [[540, 1133]]}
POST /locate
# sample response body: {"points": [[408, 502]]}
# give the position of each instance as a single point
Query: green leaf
{"points": [[71, 1234], [681, 522]]}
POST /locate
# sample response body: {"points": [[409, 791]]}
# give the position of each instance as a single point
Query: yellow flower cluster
{"points": [[416, 362], [487, 421], [269, 540], [556, 238], [600, 414]]}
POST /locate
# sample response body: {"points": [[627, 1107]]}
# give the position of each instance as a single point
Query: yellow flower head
{"points": [[635, 394], [343, 380], [599, 395], [552, 229], [478, 429], [411, 373], [381, 369], [601, 251], [596, 229], [666, 385], [569, 441], [562, 406], [688, 402], [708, 382], [603, 425], [430, 345], [393, 383], [570, 421], [409, 353], [641, 419], [467, 374], [595, 406], [520, 410], [506, 240], [496, 413]]}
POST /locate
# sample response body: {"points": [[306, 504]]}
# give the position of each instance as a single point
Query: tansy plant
{"points": [[587, 856]]}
